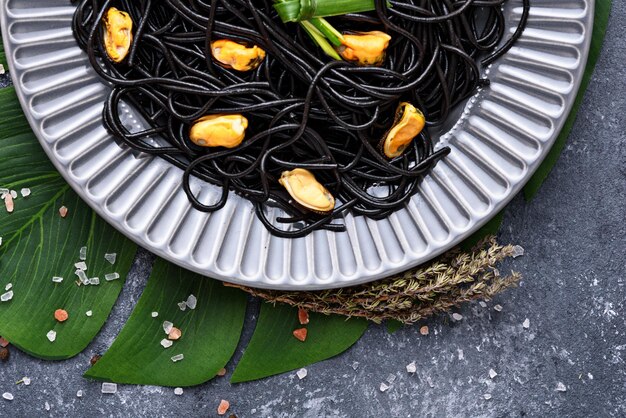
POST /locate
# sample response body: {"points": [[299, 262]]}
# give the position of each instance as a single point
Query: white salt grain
{"points": [[51, 335], [79, 394], [2, 70], [457, 316], [26, 381], [526, 323], [110, 257], [5, 297], [178, 391], [384, 387], [82, 276], [166, 343], [13, 194], [167, 326], [182, 306], [590, 376], [192, 302], [8, 287], [109, 388], [178, 357], [391, 378], [518, 251], [560, 387], [25, 192], [498, 308], [302, 373], [487, 396], [8, 396], [81, 265], [89, 313], [57, 279], [111, 276], [492, 373], [411, 367], [94, 281], [0, 240], [482, 304], [155, 314], [82, 254], [8, 203], [355, 365], [46, 406]]}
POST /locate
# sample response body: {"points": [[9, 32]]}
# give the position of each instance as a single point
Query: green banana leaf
{"points": [[39, 244]]}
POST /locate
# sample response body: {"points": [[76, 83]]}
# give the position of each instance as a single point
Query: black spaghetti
{"points": [[304, 109]]}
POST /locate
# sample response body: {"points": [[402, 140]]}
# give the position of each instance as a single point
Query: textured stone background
{"points": [[573, 292]]}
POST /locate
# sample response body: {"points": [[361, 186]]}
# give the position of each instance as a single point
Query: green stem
{"points": [[319, 39], [299, 10], [333, 35]]}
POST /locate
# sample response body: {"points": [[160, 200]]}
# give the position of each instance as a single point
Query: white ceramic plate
{"points": [[499, 141]]}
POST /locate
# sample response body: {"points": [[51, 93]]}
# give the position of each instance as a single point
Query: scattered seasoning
{"points": [[51, 335], [384, 387], [191, 302], [424, 330], [391, 378], [109, 388], [4, 342], [223, 407], [221, 372], [81, 265], [497, 308], [5, 354], [457, 316], [487, 396], [155, 314], [518, 251], [355, 365], [526, 323], [411, 367], [63, 211], [492, 373], [61, 315], [82, 276], [303, 316], [167, 326], [178, 391], [178, 357], [56, 279], [25, 192], [111, 276], [8, 396], [46, 405], [89, 313], [560, 387], [182, 305], [79, 394], [300, 334], [9, 286], [110, 257], [82, 254], [174, 334], [166, 343], [302, 373], [483, 304], [95, 359], [8, 203], [5, 297]]}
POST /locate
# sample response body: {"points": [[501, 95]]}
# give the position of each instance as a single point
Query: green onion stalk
{"points": [[310, 15]]}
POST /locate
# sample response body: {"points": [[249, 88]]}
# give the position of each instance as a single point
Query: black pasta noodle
{"points": [[305, 109]]}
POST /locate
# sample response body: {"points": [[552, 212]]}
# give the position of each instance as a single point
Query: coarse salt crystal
{"points": [[178, 391], [518, 251], [483, 304], [560, 387], [81, 265], [191, 302], [5, 297], [492, 373], [13, 194], [82, 276], [82, 254], [111, 276], [89, 313], [56, 279], [182, 306], [498, 308], [0, 240], [355, 365], [8, 396], [178, 357], [25, 192], [384, 387], [167, 326], [94, 281], [51, 335], [109, 388], [46, 405], [26, 381], [8, 287], [391, 378], [154, 314], [3, 192], [2, 70], [166, 343], [526, 323], [457, 316], [63, 211], [411, 367], [110, 257], [487, 396], [79, 394], [302, 373]]}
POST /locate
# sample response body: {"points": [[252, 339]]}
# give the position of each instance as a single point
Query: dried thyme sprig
{"points": [[454, 278]]}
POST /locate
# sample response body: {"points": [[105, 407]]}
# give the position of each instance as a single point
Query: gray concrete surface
{"points": [[573, 295]]}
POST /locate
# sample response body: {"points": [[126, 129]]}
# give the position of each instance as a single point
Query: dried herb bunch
{"points": [[452, 279]]}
